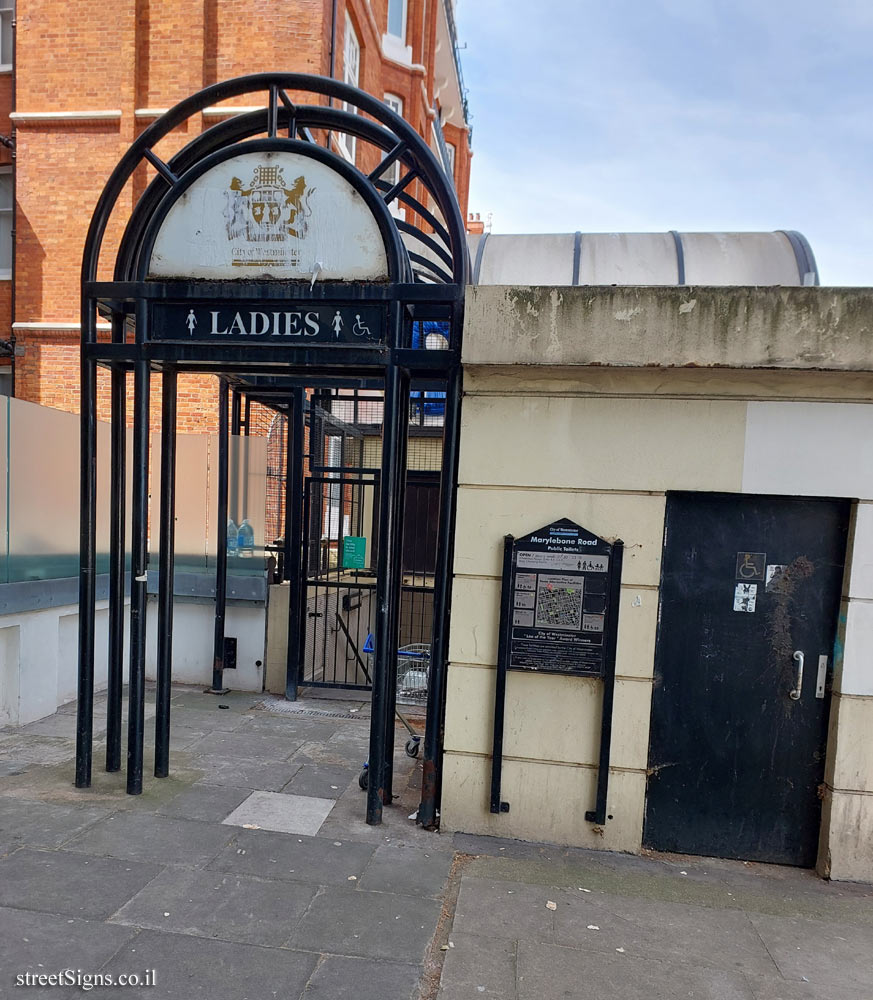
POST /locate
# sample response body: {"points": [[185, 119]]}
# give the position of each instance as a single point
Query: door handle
{"points": [[798, 681]]}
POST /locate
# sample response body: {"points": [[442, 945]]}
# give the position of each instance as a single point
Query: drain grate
{"points": [[290, 708]]}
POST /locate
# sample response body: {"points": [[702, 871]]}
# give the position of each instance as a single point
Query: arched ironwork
{"points": [[428, 268]]}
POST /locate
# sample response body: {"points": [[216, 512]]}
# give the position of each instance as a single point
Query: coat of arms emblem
{"points": [[266, 219]]}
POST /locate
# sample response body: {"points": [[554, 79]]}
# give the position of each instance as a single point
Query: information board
{"points": [[560, 586]]}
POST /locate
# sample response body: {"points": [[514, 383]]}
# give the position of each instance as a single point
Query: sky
{"points": [[693, 115]]}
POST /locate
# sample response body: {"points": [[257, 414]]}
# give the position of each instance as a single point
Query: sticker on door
{"points": [[745, 597]]}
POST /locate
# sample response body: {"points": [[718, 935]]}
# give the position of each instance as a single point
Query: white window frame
{"points": [[450, 146], [6, 272], [7, 15], [351, 75], [392, 175]]}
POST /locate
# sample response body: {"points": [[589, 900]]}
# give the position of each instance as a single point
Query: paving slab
{"points": [[36, 749], [767, 988], [321, 780], [43, 942], [189, 967], [479, 966], [42, 824], [300, 729], [209, 718], [280, 812], [718, 939], [252, 774], [236, 701], [294, 859], [412, 871], [219, 905], [57, 725], [552, 971], [149, 837], [368, 924], [504, 910], [208, 803], [240, 745], [826, 954], [362, 979], [75, 885]]}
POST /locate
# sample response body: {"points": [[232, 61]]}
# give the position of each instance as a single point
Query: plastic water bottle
{"points": [[246, 540], [232, 538]]}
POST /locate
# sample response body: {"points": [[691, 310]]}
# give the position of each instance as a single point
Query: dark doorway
{"points": [[737, 751]]}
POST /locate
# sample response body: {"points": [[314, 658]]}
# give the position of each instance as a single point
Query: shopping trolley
{"points": [[413, 671]]}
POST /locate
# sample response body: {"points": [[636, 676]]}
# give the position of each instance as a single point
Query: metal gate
{"points": [[340, 549]]}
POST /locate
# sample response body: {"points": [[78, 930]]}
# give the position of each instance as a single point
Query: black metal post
{"points": [[117, 567], [431, 779], [294, 539], [221, 546], [235, 413], [402, 435], [87, 550], [598, 814], [497, 804], [166, 578], [386, 591], [139, 568]]}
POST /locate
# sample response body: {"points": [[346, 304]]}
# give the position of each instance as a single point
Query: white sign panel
{"points": [[270, 215]]}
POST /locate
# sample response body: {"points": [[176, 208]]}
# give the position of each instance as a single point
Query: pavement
{"points": [[250, 873]]}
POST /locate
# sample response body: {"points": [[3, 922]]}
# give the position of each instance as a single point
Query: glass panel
{"points": [[191, 501], [396, 17], [4, 489], [42, 508], [5, 241], [246, 499], [5, 188], [44, 483], [6, 37]]}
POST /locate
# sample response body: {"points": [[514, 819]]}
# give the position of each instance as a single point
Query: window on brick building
{"points": [[5, 222], [450, 149], [392, 175], [351, 75], [7, 10], [397, 18]]}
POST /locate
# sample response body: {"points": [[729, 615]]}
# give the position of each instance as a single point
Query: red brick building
{"points": [[80, 80]]}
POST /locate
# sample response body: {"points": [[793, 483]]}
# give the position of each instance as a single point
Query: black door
{"points": [[737, 752]]}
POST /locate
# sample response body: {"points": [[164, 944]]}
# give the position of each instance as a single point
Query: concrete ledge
{"points": [[38, 595], [670, 327]]}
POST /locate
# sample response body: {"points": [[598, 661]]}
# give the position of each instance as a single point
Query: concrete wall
{"points": [[39, 653], [602, 446]]}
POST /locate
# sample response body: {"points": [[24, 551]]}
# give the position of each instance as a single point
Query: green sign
{"points": [[354, 552]]}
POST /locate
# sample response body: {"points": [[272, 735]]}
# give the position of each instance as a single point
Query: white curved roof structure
{"points": [[783, 257]]}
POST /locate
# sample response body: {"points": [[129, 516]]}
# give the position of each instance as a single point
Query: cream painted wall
{"points": [[602, 447]]}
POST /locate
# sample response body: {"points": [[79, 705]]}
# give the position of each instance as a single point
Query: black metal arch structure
{"points": [[427, 272]]}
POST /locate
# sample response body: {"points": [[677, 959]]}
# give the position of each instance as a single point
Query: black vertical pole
{"points": [[598, 814], [436, 694], [87, 547], [165, 581], [117, 558], [221, 546], [139, 565], [497, 804], [235, 413], [294, 539], [386, 591], [402, 436]]}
